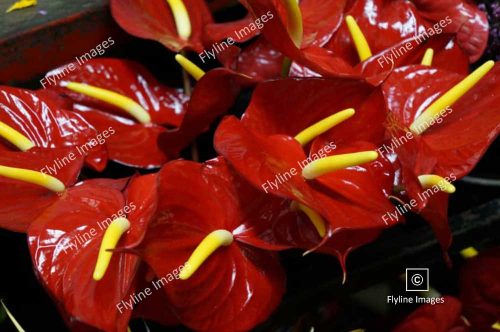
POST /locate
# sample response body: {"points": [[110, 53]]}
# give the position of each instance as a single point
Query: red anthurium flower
{"points": [[262, 148], [346, 198], [438, 131], [163, 104], [141, 139], [226, 285], [399, 21], [288, 34], [394, 20], [286, 31], [480, 290], [177, 24], [441, 317], [124, 103], [30, 119], [320, 19], [71, 244], [307, 101], [26, 189]]}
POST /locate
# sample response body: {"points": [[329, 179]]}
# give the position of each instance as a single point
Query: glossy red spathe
{"points": [[196, 199], [65, 239], [46, 125]]}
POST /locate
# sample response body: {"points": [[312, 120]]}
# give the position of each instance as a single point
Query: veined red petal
{"points": [[398, 20], [243, 279], [472, 122], [153, 19], [216, 32], [307, 101], [65, 240], [23, 202], [38, 117], [273, 165], [321, 19], [436, 214], [64, 253], [128, 142], [165, 105]]}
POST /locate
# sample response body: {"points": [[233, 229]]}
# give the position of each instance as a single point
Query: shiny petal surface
{"points": [[165, 105], [216, 32], [307, 101], [238, 286], [273, 165], [467, 21], [396, 20], [457, 140], [128, 142], [260, 60], [315, 58], [153, 19], [436, 214], [64, 242], [23, 202], [321, 19], [41, 120]]}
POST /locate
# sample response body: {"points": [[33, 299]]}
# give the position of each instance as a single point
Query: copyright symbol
{"points": [[417, 280]]}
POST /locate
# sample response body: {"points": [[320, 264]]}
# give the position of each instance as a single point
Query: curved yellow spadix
{"points": [[207, 247], [428, 55], [358, 38], [113, 233], [22, 142], [421, 123], [308, 134], [469, 252], [125, 103], [431, 180], [334, 163], [294, 21], [496, 326], [33, 177], [181, 18], [189, 67], [314, 217]]}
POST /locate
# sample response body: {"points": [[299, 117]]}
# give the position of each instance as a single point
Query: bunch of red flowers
{"points": [[361, 109]]}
